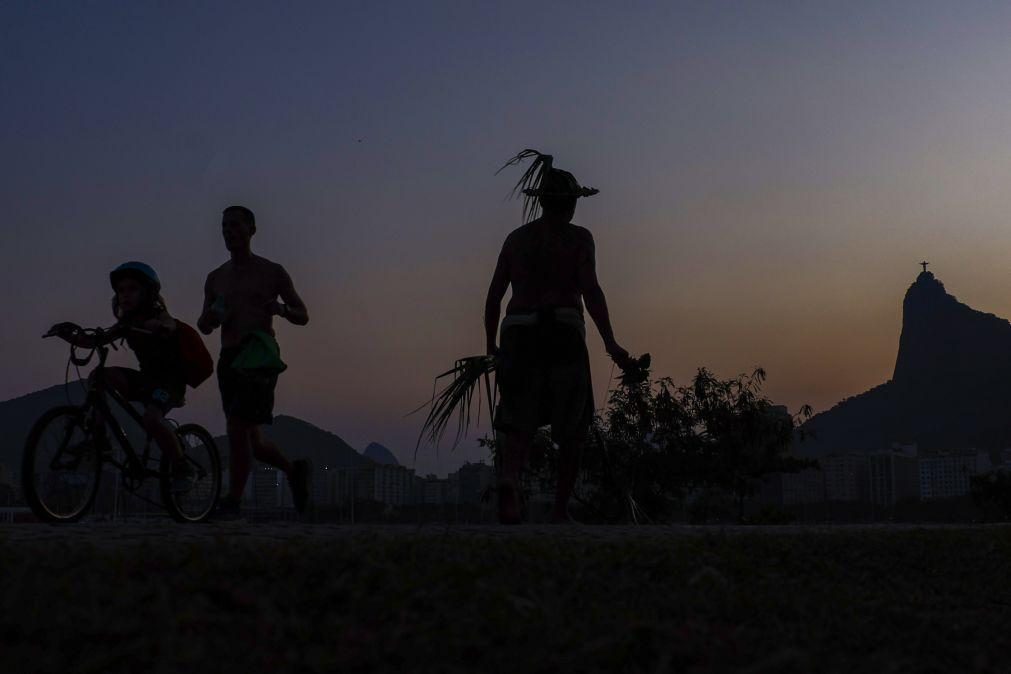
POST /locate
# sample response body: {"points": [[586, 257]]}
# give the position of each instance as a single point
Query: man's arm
{"points": [[493, 304], [596, 303], [209, 317], [293, 308]]}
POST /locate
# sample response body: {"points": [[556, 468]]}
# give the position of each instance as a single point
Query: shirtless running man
{"points": [[543, 372], [241, 297]]}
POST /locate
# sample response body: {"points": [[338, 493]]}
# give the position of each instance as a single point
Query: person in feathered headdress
{"points": [[542, 365]]}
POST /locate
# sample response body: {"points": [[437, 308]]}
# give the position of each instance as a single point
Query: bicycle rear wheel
{"points": [[196, 503], [61, 466]]}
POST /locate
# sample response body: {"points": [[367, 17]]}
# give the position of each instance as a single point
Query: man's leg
{"points": [[239, 459], [568, 468], [267, 452], [297, 472], [572, 413], [515, 450]]}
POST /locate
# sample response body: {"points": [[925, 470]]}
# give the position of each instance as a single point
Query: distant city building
{"points": [[905, 449], [323, 486], [328, 486], [947, 475], [845, 477], [388, 483], [474, 480], [894, 475], [883, 478], [984, 463], [433, 490], [331, 485], [266, 487], [417, 489]]}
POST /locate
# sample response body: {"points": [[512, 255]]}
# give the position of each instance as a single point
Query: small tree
{"points": [[657, 440], [745, 434]]}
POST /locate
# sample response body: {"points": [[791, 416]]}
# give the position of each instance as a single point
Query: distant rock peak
{"points": [[927, 282], [949, 387], [380, 454]]}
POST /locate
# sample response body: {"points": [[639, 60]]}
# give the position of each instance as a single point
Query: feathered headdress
{"points": [[541, 179]]}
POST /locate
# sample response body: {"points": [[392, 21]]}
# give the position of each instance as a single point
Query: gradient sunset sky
{"points": [[770, 176]]}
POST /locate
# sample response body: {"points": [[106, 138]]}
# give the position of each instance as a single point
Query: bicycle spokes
{"points": [[196, 500], [61, 466]]}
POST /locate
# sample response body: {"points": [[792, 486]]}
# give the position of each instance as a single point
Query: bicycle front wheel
{"points": [[61, 466], [194, 503]]}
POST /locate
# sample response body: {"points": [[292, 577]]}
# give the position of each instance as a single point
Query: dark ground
{"points": [[314, 598]]}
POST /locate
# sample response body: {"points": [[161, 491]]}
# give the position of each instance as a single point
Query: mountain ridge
{"points": [[948, 389]]}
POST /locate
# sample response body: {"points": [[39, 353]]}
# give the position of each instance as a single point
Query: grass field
{"points": [[325, 599]]}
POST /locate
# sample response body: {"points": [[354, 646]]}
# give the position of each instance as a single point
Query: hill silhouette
{"points": [[951, 387], [380, 454], [17, 416], [301, 440]]}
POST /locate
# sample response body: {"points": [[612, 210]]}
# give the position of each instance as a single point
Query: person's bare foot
{"points": [[508, 504]]}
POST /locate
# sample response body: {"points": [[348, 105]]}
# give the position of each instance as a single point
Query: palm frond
{"points": [[531, 179], [456, 399]]}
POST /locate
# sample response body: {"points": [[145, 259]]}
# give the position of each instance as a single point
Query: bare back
{"points": [[246, 291], [546, 265]]}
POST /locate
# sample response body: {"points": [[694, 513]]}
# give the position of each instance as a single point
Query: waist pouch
{"points": [[259, 353]]}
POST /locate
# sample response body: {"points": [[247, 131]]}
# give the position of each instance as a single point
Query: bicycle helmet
{"points": [[138, 270]]}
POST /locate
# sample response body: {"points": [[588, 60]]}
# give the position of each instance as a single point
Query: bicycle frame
{"points": [[98, 422], [99, 393]]}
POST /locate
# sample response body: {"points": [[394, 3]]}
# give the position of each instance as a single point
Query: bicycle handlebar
{"points": [[98, 339], [102, 336]]}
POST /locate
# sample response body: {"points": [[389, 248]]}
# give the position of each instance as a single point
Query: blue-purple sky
{"points": [[770, 175]]}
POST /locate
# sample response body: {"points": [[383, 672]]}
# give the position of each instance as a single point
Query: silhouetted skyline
{"points": [[778, 172]]}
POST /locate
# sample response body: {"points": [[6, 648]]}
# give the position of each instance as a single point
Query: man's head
{"points": [[238, 224], [137, 289], [558, 194], [554, 190]]}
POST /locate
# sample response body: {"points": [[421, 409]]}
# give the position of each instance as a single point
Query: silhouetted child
{"points": [[151, 333]]}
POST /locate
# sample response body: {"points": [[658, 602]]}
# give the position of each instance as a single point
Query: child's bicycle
{"points": [[68, 445]]}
